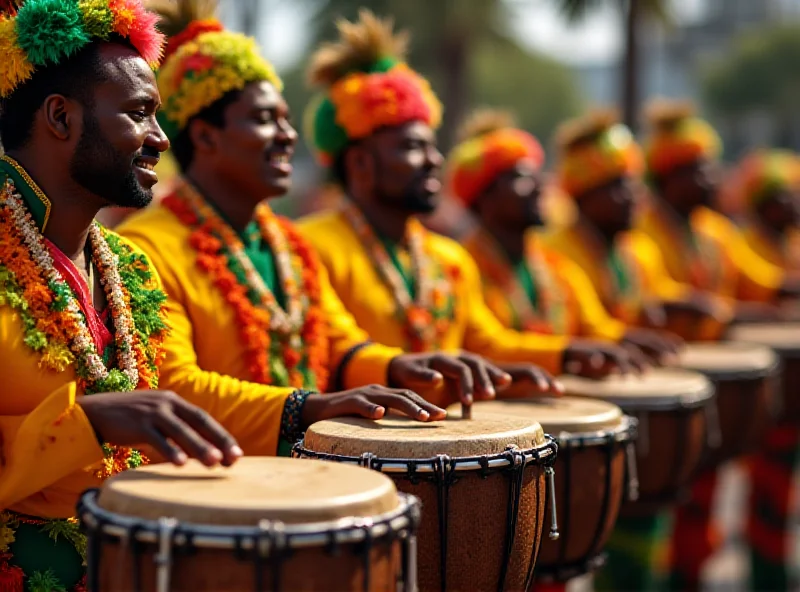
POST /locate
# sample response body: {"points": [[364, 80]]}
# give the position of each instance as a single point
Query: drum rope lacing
{"points": [[442, 471], [272, 540]]}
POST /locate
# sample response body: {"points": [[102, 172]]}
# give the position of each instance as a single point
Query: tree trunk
{"points": [[630, 72], [454, 56]]}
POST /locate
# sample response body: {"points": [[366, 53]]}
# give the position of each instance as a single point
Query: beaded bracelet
{"points": [[292, 411]]}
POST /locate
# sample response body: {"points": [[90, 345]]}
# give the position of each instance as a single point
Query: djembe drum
{"points": [[745, 378], [264, 524], [673, 408], [481, 483], [594, 440], [784, 340]]}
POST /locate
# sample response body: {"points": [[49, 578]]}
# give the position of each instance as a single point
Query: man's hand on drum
{"points": [[371, 401], [175, 428], [660, 347], [528, 380], [597, 359], [469, 376]]}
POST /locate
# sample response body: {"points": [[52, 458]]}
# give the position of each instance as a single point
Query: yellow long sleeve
{"points": [[369, 300]]}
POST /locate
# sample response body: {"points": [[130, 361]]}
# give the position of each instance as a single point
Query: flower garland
{"points": [[55, 328], [427, 317], [276, 341], [551, 312]]}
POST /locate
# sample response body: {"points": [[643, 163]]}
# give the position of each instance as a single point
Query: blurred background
{"points": [[549, 59]]}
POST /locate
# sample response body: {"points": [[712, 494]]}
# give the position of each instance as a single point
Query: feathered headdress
{"points": [[203, 61], [490, 144], [594, 150], [677, 137], [367, 86], [38, 33]]}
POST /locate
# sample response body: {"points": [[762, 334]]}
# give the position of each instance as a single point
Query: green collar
{"points": [[37, 202]]}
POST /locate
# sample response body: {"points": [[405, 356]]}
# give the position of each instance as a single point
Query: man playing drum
{"points": [[703, 248], [256, 329], [375, 126], [496, 173], [81, 310]]}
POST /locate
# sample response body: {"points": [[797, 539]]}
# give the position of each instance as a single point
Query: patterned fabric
{"points": [[695, 536], [769, 521], [636, 553]]}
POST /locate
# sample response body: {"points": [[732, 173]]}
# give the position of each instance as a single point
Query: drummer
{"points": [[406, 286], [78, 100], [704, 248], [699, 246], [256, 329], [496, 173], [769, 181]]}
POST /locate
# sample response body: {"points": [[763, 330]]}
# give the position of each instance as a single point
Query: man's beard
{"points": [[99, 168]]}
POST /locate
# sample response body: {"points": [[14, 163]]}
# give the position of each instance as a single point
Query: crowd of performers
{"points": [[206, 326]]}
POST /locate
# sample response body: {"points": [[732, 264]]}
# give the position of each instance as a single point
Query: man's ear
{"points": [[204, 137], [62, 117]]}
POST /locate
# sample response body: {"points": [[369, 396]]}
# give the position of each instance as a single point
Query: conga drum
{"points": [[745, 378], [481, 483], [672, 408], [784, 340], [264, 524], [594, 440]]}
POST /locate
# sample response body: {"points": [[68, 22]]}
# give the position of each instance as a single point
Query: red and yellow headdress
{"points": [[595, 150], [490, 145], [677, 137], [203, 62], [39, 33], [368, 87], [767, 172]]}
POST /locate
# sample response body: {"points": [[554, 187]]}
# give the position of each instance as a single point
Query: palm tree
{"points": [[634, 13]]}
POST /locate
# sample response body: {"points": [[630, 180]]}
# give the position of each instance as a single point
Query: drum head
{"points": [[252, 490], [782, 337], [400, 437], [556, 415], [729, 360], [658, 388]]}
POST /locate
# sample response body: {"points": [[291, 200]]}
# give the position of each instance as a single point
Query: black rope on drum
{"points": [[566, 475], [443, 470], [540, 514], [136, 556], [516, 482], [367, 557], [610, 448]]}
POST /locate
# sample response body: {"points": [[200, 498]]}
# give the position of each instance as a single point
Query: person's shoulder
{"points": [[320, 222], [446, 248]]}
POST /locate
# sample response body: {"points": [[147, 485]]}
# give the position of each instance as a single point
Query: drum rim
{"points": [[543, 454], [719, 375], [402, 521], [662, 403], [626, 431]]}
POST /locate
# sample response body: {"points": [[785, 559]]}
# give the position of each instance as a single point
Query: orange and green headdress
{"points": [[39, 33], [367, 86], [767, 172], [203, 62], [677, 137], [595, 150], [490, 144]]}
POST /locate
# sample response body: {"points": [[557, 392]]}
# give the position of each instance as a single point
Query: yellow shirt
{"points": [[714, 257], [49, 453], [473, 327], [205, 361], [784, 255], [572, 303], [645, 278]]}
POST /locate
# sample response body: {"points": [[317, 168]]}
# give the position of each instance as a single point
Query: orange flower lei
{"points": [[300, 330], [428, 316], [54, 325], [550, 315]]}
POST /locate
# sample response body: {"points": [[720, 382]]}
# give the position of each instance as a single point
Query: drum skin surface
{"points": [[590, 476], [255, 491], [481, 527]]}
